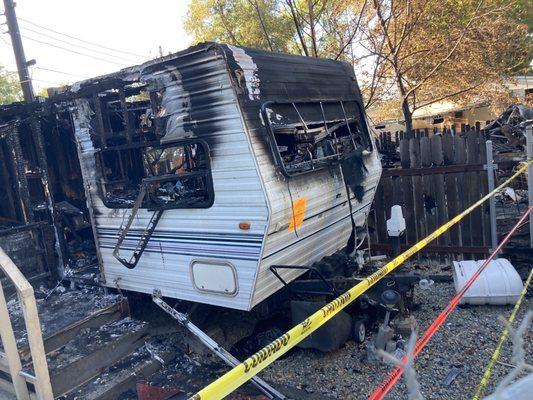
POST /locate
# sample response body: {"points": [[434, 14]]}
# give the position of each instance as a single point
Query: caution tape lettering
{"points": [[335, 304], [266, 352]]}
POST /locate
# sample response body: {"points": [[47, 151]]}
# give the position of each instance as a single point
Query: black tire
{"points": [[359, 330]]}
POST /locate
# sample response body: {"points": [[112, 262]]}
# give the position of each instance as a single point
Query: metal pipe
{"points": [[227, 357], [529, 144], [492, 200]]}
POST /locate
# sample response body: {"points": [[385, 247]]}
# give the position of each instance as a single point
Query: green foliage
{"points": [[9, 87], [408, 53], [319, 28], [239, 22]]}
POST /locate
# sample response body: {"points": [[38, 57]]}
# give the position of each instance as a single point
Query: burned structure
{"points": [[39, 176], [200, 170]]}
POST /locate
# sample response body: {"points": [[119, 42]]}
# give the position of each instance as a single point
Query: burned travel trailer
{"points": [[204, 168]]}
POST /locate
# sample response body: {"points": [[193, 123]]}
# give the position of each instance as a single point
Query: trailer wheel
{"points": [[359, 330]]}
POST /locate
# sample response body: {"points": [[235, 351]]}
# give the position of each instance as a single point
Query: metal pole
{"points": [[492, 200], [227, 357], [18, 50], [529, 144]]}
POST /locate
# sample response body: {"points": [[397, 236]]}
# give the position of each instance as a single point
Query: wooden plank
{"points": [[462, 193], [11, 352], [97, 318], [408, 199], [379, 214], [387, 203], [473, 157], [418, 202], [87, 355], [119, 381], [428, 190], [445, 169], [19, 169], [126, 115], [83, 370], [451, 187], [432, 248], [9, 210], [43, 385], [404, 153], [437, 159]]}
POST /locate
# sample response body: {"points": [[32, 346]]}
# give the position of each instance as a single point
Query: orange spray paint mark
{"points": [[298, 212]]}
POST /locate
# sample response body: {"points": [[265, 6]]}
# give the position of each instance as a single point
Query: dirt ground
{"points": [[465, 341]]}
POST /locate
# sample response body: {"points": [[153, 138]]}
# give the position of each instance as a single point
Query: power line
{"points": [[61, 72], [44, 68], [81, 47], [45, 81], [73, 51], [81, 40], [3, 39]]}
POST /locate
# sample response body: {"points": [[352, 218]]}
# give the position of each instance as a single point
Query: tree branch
{"points": [[448, 56], [298, 27], [356, 29], [447, 96], [262, 22]]}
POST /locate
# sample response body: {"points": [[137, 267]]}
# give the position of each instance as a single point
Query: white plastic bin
{"points": [[498, 284]]}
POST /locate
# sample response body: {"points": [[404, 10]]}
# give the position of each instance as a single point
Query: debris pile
{"points": [[510, 127]]}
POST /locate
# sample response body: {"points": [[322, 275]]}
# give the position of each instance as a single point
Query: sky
{"points": [[137, 27]]}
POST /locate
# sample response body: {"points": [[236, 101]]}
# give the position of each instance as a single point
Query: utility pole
{"points": [[18, 49]]}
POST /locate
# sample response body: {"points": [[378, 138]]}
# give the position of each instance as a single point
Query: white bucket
{"points": [[498, 284]]}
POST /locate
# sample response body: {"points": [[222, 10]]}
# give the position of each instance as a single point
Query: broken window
{"points": [[307, 136], [175, 176]]}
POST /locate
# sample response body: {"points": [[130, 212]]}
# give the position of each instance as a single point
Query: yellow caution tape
{"points": [[480, 391], [250, 367]]}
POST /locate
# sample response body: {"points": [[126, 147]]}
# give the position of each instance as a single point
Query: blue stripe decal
{"points": [[219, 245], [203, 246]]}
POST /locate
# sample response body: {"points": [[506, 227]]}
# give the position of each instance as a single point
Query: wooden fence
{"points": [[438, 177]]}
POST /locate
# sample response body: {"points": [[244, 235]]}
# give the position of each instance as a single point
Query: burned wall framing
{"points": [[27, 228]]}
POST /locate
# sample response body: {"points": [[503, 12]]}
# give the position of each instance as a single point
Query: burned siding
{"points": [[261, 77], [194, 100]]}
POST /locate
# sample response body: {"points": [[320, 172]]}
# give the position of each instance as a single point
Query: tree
{"points": [[407, 53], [433, 50], [318, 28], [9, 87]]}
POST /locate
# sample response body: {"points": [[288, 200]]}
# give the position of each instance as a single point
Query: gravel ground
{"points": [[466, 341]]}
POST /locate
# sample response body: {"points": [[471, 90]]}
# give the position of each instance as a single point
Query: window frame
{"points": [[167, 177], [272, 138]]}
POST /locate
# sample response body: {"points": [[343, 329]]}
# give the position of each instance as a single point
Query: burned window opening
{"points": [[176, 175], [308, 136], [126, 115]]}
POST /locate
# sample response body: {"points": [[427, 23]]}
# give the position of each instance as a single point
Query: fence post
{"points": [[492, 201], [10, 349], [529, 144]]}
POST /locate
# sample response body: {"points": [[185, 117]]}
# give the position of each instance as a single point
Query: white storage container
{"points": [[498, 284]]}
